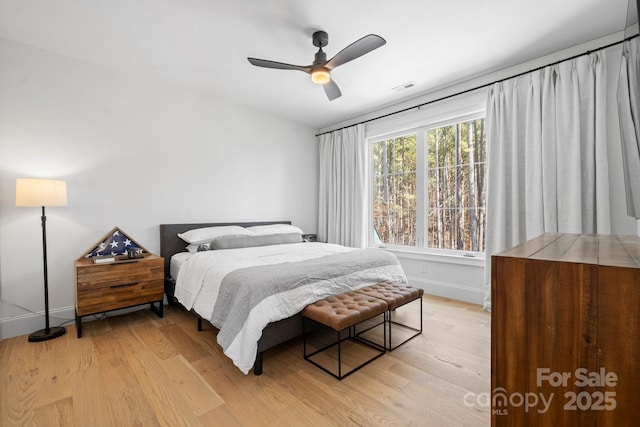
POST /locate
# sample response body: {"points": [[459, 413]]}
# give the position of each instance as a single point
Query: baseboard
{"points": [[30, 322], [24, 324], [449, 290]]}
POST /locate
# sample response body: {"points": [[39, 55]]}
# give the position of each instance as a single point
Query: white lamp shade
{"points": [[41, 192]]}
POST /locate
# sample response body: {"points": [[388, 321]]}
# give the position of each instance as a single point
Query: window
{"points": [[429, 187], [394, 201]]}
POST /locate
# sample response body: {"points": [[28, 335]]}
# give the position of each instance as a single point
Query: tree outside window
{"points": [[453, 207]]}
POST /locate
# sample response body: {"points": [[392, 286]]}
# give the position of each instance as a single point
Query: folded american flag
{"points": [[116, 243]]}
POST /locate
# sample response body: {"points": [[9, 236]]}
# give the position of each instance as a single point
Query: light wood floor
{"points": [[140, 370]]}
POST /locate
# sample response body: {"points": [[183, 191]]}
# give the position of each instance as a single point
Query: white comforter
{"points": [[200, 277]]}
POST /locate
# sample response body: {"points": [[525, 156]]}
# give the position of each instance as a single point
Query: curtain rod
{"points": [[588, 52]]}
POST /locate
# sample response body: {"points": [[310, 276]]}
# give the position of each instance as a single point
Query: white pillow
{"points": [[263, 230], [206, 234]]}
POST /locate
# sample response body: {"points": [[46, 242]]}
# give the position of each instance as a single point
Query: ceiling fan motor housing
{"points": [[320, 39], [320, 59]]}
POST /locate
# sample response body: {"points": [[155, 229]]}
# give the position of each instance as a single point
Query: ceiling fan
{"points": [[320, 70]]}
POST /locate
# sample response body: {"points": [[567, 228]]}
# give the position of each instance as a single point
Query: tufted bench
{"points": [[342, 313], [395, 295]]}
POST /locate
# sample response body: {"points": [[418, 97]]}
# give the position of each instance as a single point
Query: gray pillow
{"points": [[234, 242]]}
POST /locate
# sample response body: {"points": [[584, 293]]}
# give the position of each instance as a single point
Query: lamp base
{"points": [[44, 335]]}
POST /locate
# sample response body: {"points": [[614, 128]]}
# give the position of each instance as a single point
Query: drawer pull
{"points": [[123, 285], [124, 261]]}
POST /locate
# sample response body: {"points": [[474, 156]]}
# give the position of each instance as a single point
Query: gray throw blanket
{"points": [[243, 289]]}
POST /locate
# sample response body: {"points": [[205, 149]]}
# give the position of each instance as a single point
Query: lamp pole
{"points": [[46, 272], [47, 333]]}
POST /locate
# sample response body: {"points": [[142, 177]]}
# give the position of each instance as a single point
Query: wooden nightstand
{"points": [[121, 284]]}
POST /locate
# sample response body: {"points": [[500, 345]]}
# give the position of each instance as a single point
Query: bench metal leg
{"points": [[417, 331], [388, 322], [351, 336]]}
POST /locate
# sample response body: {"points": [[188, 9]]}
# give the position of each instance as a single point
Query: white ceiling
{"points": [[203, 44]]}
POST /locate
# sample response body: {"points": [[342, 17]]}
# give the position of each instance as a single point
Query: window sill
{"points": [[477, 259]]}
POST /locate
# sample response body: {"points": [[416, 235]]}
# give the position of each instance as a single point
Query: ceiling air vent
{"points": [[404, 86]]}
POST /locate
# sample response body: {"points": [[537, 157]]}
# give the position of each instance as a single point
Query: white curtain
{"points": [[343, 190], [629, 113], [547, 155]]}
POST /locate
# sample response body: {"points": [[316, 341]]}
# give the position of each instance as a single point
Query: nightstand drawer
{"points": [[120, 273], [118, 295]]}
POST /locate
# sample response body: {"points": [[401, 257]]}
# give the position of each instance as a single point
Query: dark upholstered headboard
{"points": [[171, 244]]}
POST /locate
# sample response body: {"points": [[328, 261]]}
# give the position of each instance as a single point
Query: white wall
{"points": [[462, 278], [135, 154]]}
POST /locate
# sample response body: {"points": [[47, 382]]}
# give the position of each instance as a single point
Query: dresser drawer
{"points": [[94, 299], [118, 274]]}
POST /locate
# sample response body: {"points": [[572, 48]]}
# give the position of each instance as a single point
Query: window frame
{"points": [[421, 129]]}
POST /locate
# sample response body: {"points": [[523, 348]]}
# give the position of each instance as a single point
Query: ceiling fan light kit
{"points": [[320, 70], [320, 76]]}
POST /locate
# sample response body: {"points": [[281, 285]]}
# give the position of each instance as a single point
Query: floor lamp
{"points": [[43, 192]]}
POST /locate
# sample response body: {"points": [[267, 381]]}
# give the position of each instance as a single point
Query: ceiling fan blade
{"points": [[277, 65], [356, 50], [332, 90]]}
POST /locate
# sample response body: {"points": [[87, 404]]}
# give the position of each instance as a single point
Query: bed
{"points": [[296, 273]]}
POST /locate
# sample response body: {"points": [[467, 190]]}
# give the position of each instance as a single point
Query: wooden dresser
{"points": [[565, 332], [121, 284]]}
